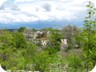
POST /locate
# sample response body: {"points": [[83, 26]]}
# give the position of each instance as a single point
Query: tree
{"points": [[75, 63], [43, 61], [20, 41], [21, 29], [55, 40], [6, 47], [12, 47], [70, 32], [88, 36]]}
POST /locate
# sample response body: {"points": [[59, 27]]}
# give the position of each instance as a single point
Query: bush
{"points": [[75, 62]]}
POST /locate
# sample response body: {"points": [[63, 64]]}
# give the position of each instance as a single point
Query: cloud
{"points": [[47, 7], [9, 5], [41, 10], [1, 1]]}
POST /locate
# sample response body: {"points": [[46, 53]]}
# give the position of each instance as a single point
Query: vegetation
{"points": [[88, 36], [18, 52], [71, 33], [21, 29]]}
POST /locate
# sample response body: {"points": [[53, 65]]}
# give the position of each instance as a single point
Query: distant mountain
{"points": [[40, 24]]}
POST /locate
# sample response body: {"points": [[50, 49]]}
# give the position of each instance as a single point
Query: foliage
{"points": [[55, 39], [17, 53], [88, 36], [19, 40], [6, 38], [71, 32], [34, 29], [9, 44], [21, 29], [51, 50], [74, 61], [43, 61]]}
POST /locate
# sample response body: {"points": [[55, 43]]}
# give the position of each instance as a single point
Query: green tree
{"points": [[75, 63], [6, 47], [43, 61], [21, 29], [12, 47], [55, 40], [88, 36], [20, 41]]}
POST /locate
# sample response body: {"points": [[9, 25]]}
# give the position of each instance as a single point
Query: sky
{"points": [[42, 13]]}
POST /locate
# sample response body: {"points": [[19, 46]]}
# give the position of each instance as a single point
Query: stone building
{"points": [[64, 44]]}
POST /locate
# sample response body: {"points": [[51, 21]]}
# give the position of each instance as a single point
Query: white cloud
{"points": [[1, 2], [34, 10]]}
